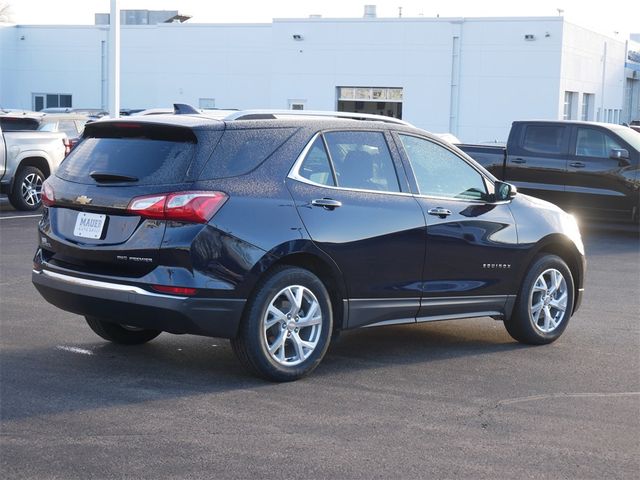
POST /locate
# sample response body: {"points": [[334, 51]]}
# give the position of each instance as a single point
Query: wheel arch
{"points": [[41, 163], [325, 269], [563, 247]]}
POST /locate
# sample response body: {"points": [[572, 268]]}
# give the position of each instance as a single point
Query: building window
{"points": [[569, 106], [207, 103], [587, 107], [51, 100], [297, 104]]}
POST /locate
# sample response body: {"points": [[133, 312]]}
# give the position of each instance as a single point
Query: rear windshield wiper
{"points": [[112, 177]]}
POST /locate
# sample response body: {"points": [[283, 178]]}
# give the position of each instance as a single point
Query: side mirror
{"points": [[504, 191], [620, 154]]}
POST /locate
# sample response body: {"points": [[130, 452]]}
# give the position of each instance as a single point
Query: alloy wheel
{"points": [[548, 301], [31, 189], [292, 325]]}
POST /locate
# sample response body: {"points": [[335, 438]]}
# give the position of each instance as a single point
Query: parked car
{"points": [[278, 229], [587, 167], [26, 160], [72, 124]]}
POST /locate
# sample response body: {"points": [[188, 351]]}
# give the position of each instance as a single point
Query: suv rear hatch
{"points": [[90, 225]]}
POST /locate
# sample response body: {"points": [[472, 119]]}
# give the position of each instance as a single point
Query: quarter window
{"points": [[316, 166], [362, 161], [594, 143], [441, 173]]}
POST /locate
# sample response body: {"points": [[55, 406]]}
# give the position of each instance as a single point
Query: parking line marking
{"points": [[82, 351], [21, 216]]}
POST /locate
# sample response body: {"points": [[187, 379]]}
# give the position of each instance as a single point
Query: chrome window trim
{"points": [[118, 287], [294, 172]]}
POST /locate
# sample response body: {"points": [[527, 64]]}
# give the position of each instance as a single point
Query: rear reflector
{"points": [[175, 290], [196, 207]]}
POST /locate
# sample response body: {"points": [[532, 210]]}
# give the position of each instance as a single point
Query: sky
{"points": [[609, 17]]}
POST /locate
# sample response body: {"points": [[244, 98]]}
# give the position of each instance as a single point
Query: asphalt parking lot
{"points": [[453, 399]]}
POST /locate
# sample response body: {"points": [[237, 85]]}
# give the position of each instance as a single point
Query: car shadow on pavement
{"points": [[83, 377]]}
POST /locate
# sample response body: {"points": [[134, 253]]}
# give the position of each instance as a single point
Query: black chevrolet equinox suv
{"points": [[278, 230]]}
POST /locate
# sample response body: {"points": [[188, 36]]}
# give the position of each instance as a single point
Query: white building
{"points": [[468, 76]]}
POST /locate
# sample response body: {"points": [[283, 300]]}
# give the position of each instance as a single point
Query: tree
{"points": [[6, 15]]}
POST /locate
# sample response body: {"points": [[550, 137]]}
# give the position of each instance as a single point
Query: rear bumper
{"points": [[135, 306]]}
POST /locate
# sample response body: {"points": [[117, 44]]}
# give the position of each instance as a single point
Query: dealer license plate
{"points": [[89, 225]]}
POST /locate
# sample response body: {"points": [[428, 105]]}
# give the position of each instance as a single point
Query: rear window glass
{"points": [[11, 124], [240, 151], [152, 162]]}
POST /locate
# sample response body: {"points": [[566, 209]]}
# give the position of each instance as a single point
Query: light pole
{"points": [[114, 59]]}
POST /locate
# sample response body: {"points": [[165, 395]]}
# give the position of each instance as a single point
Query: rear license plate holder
{"points": [[89, 225]]}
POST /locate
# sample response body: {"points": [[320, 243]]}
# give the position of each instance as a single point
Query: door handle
{"points": [[440, 212], [518, 160], [577, 164], [326, 203]]}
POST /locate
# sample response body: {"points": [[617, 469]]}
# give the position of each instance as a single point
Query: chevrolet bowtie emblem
{"points": [[83, 200]]}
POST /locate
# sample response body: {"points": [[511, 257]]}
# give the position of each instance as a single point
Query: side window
{"points": [[441, 173], [543, 138], [362, 160], [594, 143], [241, 150], [80, 126], [316, 166], [68, 127]]}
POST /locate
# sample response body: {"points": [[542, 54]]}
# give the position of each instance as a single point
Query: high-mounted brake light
{"points": [[196, 207], [48, 196]]}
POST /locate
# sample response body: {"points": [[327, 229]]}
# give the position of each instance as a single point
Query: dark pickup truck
{"points": [[591, 168]]}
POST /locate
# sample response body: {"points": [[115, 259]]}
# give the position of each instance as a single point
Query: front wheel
{"points": [[544, 304], [122, 334], [286, 327]]}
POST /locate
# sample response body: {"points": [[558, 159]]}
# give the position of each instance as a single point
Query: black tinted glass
{"points": [[441, 173], [594, 143], [11, 124], [152, 162], [240, 151], [316, 165], [543, 138], [362, 160]]}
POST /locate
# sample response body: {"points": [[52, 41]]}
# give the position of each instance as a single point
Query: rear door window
{"points": [[362, 161], [242, 150], [544, 139], [152, 160]]}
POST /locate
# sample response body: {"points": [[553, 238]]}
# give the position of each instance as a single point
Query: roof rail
{"points": [[273, 114]]}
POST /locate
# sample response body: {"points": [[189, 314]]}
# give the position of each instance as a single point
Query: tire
{"points": [[121, 334], [271, 321], [538, 317], [27, 189]]}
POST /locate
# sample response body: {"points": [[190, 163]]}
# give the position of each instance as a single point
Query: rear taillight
{"points": [[48, 196], [197, 207], [68, 145]]}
